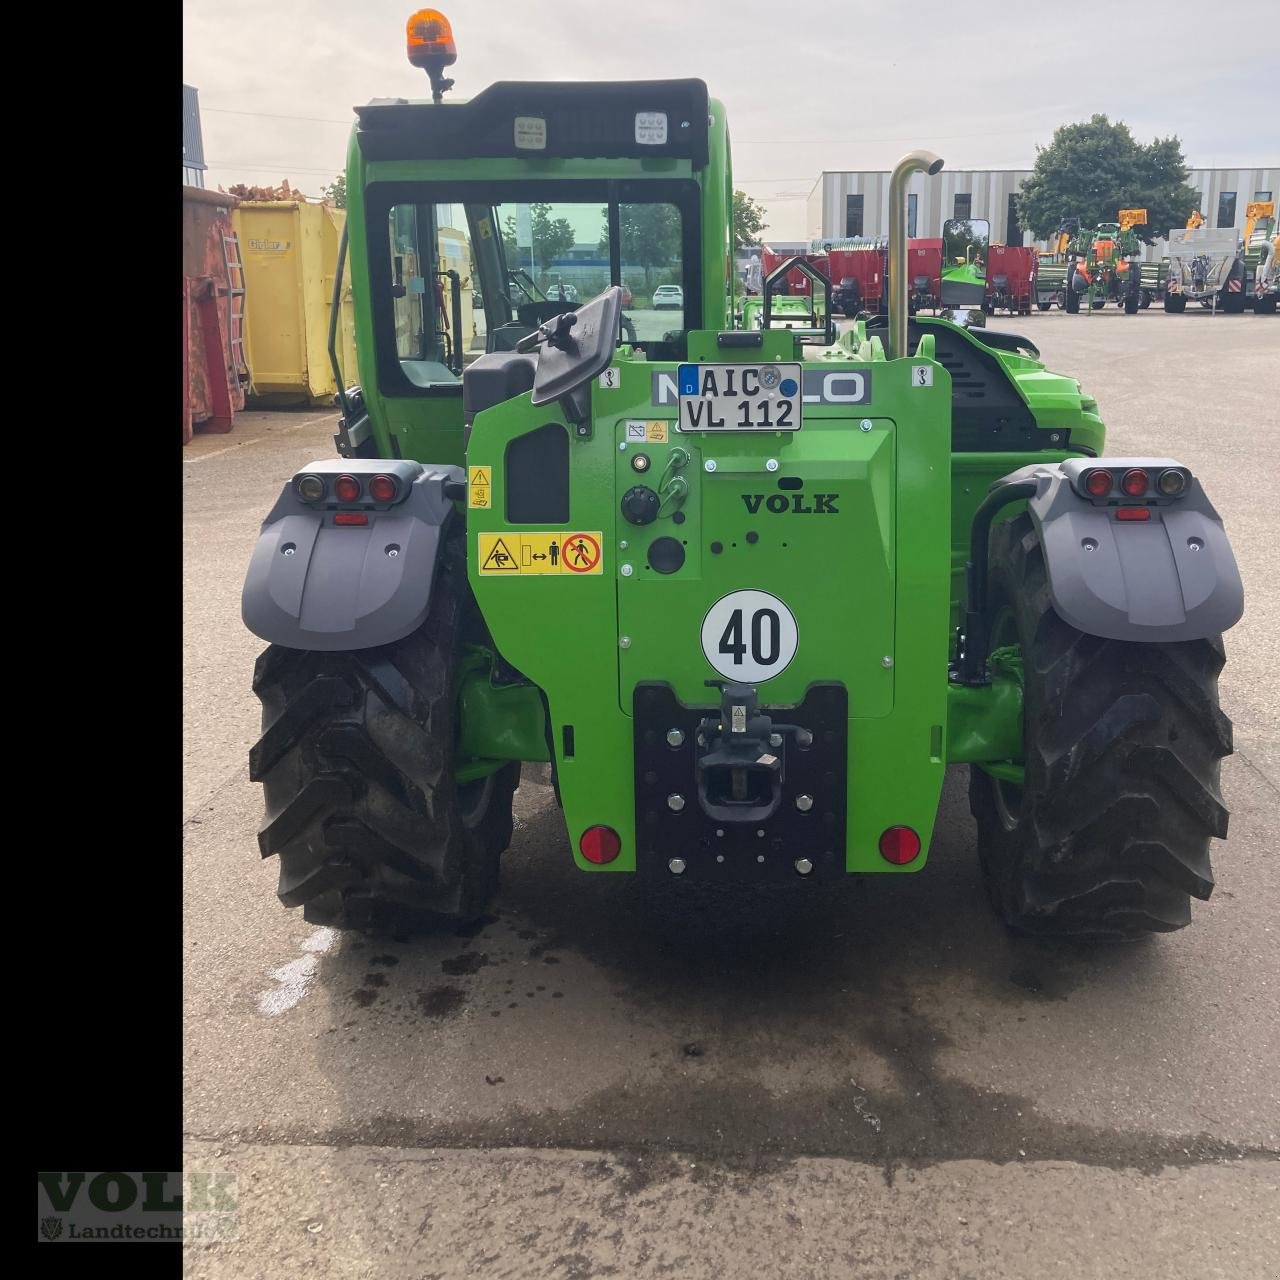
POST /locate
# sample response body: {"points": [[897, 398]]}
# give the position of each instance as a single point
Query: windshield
{"points": [[455, 278]]}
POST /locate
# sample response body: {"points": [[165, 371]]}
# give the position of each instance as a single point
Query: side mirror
{"points": [[573, 348], [964, 261]]}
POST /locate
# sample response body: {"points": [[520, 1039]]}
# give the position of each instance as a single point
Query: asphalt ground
{"points": [[876, 1082]]}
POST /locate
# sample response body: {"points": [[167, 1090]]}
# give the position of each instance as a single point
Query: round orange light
{"points": [[429, 38]]}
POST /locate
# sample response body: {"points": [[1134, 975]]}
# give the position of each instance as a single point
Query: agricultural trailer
{"points": [[1207, 266], [1011, 279]]}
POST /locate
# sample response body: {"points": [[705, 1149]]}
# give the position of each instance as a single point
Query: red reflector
{"points": [[600, 844], [1133, 513], [899, 845], [350, 517], [382, 489], [1098, 483], [346, 489], [1135, 483]]}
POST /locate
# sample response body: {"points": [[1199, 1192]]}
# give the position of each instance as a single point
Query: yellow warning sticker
{"points": [[479, 487], [517, 554], [643, 431]]}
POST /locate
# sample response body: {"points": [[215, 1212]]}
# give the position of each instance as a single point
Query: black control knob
{"points": [[640, 505]]}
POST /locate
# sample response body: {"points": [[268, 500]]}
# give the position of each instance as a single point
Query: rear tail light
{"points": [[1133, 513], [346, 489], [600, 845], [1135, 483], [310, 488], [1172, 483], [1097, 483], [350, 517], [899, 845], [382, 489]]}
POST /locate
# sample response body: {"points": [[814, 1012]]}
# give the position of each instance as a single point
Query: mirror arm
{"points": [[576, 407]]}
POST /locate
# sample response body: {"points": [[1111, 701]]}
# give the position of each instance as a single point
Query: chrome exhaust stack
{"points": [[912, 162]]}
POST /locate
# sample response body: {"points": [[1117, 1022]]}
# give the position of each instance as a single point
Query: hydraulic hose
{"points": [[973, 657]]}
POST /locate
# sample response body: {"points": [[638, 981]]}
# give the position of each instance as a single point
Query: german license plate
{"points": [[739, 397]]}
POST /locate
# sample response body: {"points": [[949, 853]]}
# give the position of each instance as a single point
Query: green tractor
{"points": [[1104, 265], [747, 591]]}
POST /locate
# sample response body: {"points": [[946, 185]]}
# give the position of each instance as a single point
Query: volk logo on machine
{"points": [[845, 386], [824, 504]]}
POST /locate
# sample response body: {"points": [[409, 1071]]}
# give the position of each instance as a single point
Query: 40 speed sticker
{"points": [[749, 636]]}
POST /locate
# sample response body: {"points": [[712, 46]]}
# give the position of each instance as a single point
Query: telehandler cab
{"points": [[749, 591]]}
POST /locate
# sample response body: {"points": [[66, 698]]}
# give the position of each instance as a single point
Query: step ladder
{"points": [[234, 293]]}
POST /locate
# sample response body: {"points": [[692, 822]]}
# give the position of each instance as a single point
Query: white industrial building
{"points": [[857, 204]]}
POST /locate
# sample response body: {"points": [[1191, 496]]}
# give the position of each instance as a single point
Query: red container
{"points": [[924, 272], [213, 390], [867, 267], [798, 284], [1011, 277]]}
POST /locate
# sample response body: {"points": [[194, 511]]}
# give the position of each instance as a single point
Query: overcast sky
{"points": [[807, 86]]}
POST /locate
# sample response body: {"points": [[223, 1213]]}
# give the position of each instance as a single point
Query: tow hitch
{"points": [[769, 784]]}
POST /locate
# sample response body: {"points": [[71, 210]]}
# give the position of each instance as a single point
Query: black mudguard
{"points": [[314, 584], [1169, 577]]}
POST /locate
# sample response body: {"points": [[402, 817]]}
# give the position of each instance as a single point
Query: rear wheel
{"points": [[357, 763], [1070, 301], [1108, 835], [1265, 306], [1145, 300]]}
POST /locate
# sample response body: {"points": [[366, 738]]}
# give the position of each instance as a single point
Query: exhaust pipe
{"points": [[912, 162]]}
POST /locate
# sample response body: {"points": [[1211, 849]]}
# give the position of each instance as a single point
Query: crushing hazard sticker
{"points": [[521, 554]]}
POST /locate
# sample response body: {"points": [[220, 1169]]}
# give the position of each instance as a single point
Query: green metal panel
{"points": [[866, 582]]}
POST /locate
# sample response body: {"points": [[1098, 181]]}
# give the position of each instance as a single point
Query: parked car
{"points": [[668, 297], [559, 291]]}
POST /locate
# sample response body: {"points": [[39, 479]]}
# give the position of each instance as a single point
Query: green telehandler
{"points": [[748, 591]]}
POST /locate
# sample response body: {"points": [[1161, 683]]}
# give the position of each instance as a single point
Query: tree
{"points": [[649, 235], [336, 192], [748, 221], [552, 237], [509, 246], [1093, 169]]}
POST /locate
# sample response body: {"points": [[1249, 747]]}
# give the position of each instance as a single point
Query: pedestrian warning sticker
{"points": [[517, 554], [479, 487]]}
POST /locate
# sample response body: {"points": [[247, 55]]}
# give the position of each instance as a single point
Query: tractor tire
{"points": [[1132, 301], [1071, 301], [1175, 303], [356, 761], [1109, 834], [1146, 299], [1265, 306]]}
